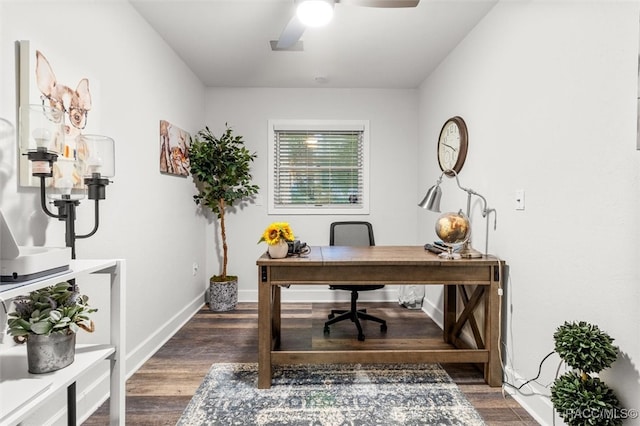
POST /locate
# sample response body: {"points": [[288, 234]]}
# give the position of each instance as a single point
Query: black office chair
{"points": [[353, 234]]}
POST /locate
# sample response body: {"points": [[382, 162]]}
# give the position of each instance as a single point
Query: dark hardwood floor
{"points": [[161, 389]]}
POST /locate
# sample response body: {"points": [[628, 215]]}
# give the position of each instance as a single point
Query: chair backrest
{"points": [[351, 234]]}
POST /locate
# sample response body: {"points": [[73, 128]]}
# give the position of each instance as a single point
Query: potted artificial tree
{"points": [[221, 172], [47, 320], [579, 398]]}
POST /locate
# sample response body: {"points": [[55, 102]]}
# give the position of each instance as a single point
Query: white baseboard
{"points": [[434, 312], [532, 399], [141, 353], [322, 294]]}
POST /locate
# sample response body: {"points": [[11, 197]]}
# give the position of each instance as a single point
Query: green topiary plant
{"points": [[577, 397], [585, 401], [585, 347], [220, 167]]}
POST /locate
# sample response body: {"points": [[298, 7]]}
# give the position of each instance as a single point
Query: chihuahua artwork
{"points": [[75, 104]]}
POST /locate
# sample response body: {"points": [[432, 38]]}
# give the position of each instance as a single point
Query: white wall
{"points": [[148, 219], [392, 116], [548, 92]]}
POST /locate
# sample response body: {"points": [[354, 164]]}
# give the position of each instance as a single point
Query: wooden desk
{"points": [[398, 265]]}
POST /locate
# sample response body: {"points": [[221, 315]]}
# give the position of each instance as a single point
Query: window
{"points": [[318, 167]]}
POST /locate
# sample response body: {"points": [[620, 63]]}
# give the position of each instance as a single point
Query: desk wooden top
{"points": [[379, 255]]}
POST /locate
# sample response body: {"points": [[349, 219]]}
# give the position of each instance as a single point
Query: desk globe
{"points": [[453, 229]]}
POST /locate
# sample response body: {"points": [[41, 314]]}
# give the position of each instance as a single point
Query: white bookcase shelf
{"points": [[21, 392]]}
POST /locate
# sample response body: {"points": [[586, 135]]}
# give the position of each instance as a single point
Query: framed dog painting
{"points": [[51, 77], [174, 149]]}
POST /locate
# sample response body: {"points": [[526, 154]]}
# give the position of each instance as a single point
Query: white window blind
{"points": [[319, 168]]}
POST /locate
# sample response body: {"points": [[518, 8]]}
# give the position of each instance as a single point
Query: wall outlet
{"points": [[519, 199]]}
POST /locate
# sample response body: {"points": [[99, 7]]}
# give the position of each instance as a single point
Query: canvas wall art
{"points": [[174, 149], [49, 77]]}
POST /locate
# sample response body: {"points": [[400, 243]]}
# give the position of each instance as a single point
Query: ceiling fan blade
{"points": [[291, 34], [381, 3]]}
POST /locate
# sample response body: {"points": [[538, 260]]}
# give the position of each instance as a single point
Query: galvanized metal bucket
{"points": [[47, 353]]}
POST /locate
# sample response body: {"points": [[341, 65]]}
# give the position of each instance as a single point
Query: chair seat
{"points": [[357, 287]]}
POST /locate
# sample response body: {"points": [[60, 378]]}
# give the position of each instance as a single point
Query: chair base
{"points": [[355, 315]]}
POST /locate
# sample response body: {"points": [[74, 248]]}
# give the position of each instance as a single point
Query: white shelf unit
{"points": [[21, 392]]}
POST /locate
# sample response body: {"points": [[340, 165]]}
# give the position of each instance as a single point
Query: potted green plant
{"points": [[48, 320], [221, 171], [579, 398]]}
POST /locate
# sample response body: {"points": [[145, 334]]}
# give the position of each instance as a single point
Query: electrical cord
{"points": [[535, 378], [500, 294], [304, 251], [504, 378]]}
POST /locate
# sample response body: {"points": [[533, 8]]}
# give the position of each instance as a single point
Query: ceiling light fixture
{"points": [[315, 13]]}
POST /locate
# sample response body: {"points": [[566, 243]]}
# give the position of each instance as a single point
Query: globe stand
{"points": [[469, 252], [449, 254]]}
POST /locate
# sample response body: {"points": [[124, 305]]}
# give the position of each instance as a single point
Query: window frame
{"points": [[319, 126]]}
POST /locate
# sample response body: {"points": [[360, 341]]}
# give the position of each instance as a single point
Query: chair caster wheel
{"points": [[326, 330], [361, 337], [383, 328]]}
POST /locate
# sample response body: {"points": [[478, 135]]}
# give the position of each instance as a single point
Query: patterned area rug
{"points": [[348, 394]]}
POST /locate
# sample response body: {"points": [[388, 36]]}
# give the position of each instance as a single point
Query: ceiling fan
{"points": [[311, 13]]}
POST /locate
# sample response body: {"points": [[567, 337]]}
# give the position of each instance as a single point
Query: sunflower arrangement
{"points": [[277, 232]]}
